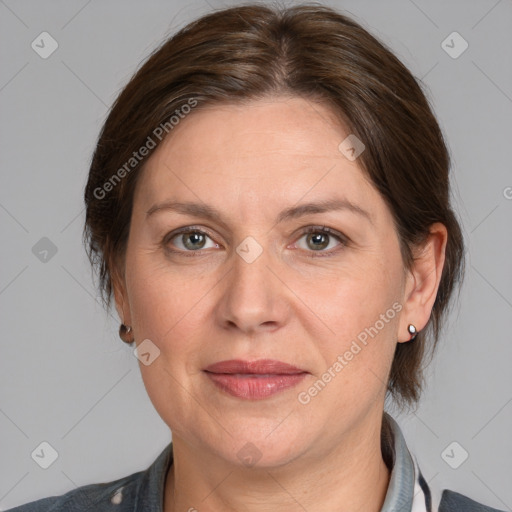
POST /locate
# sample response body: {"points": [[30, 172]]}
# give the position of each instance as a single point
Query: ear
{"points": [[422, 281], [120, 296]]}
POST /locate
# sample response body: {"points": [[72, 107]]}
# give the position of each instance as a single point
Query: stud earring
{"points": [[412, 331], [125, 333]]}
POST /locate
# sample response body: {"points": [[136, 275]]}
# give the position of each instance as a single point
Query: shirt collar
{"points": [[400, 495]]}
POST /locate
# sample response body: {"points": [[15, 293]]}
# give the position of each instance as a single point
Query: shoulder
{"points": [[143, 490], [452, 501], [117, 495]]}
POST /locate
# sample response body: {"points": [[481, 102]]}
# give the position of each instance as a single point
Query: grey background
{"points": [[65, 376]]}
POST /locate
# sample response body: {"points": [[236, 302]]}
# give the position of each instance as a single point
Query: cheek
{"points": [[159, 298], [170, 308], [356, 361], [362, 315], [356, 296], [161, 305]]}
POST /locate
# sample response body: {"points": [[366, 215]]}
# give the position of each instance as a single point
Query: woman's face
{"points": [[230, 273]]}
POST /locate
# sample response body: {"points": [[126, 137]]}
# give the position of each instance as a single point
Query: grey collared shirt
{"points": [[407, 489], [144, 491]]}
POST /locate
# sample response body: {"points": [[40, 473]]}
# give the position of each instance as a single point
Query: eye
{"points": [[190, 240], [320, 238]]}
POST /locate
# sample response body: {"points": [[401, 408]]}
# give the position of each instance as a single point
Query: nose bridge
{"points": [[252, 298], [250, 279]]}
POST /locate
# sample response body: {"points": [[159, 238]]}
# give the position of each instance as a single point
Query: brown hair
{"points": [[311, 51]]}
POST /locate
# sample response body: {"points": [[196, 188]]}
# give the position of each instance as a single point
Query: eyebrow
{"points": [[294, 212]]}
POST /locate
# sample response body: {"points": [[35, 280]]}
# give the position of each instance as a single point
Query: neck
{"points": [[352, 477]]}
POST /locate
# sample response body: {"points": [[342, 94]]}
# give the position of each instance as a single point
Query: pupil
{"points": [[192, 239], [318, 238]]}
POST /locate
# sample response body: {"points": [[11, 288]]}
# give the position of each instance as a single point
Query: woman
{"points": [[268, 204]]}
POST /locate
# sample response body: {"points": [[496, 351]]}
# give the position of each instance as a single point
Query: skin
{"points": [[250, 162]]}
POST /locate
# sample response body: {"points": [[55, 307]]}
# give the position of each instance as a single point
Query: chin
{"points": [[263, 443]]}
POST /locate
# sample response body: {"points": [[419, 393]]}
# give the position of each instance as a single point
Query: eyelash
{"points": [[311, 229]]}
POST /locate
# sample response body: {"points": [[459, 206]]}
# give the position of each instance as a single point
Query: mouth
{"points": [[254, 380]]}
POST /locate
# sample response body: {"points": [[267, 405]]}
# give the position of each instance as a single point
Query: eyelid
{"points": [[325, 229], [188, 229]]}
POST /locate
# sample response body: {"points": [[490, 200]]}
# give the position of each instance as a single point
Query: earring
{"points": [[125, 333], [412, 331]]}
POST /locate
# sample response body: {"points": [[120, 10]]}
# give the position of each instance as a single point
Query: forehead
{"points": [[260, 127], [276, 149]]}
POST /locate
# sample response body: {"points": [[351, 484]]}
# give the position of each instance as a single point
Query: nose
{"points": [[254, 298]]}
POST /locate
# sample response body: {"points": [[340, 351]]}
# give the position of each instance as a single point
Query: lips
{"points": [[262, 366], [254, 380]]}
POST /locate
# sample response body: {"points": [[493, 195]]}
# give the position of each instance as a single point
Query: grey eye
{"points": [[318, 241], [191, 241]]}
